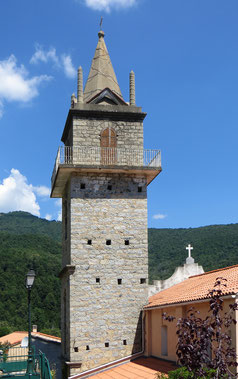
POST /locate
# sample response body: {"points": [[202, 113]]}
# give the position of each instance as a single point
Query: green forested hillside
{"points": [[27, 241], [26, 223], [214, 246]]}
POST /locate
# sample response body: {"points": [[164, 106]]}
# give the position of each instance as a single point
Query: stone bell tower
{"points": [[101, 173]]}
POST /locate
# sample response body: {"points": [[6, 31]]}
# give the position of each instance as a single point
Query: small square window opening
{"points": [[87, 347], [142, 281], [109, 187], [108, 242], [97, 280], [76, 349], [127, 242], [124, 342], [106, 344], [139, 189], [89, 242], [82, 186], [119, 281]]}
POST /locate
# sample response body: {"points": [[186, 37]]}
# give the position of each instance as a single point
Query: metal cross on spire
{"points": [[189, 248], [101, 23]]}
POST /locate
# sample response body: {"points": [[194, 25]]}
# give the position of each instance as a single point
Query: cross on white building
{"points": [[189, 248]]}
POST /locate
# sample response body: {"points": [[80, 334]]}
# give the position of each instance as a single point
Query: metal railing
{"points": [[13, 362], [44, 366], [95, 156]]}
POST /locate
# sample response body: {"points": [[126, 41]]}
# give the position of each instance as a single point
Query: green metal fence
{"points": [[44, 366], [13, 363]]}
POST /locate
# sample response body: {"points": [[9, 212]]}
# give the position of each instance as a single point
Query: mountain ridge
{"points": [[28, 241]]}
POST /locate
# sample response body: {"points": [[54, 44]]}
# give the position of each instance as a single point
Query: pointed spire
{"points": [[101, 73]]}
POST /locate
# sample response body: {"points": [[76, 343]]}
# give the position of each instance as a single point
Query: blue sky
{"points": [[185, 58]]}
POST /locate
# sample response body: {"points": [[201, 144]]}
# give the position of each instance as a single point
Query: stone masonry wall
{"points": [[66, 204], [65, 317], [110, 284], [87, 132]]}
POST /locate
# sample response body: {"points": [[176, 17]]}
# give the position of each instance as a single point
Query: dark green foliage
{"points": [[20, 251], [183, 373], [3, 351], [27, 240], [215, 246], [52, 331], [26, 223], [5, 328]]}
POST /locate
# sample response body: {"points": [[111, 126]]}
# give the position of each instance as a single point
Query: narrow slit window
{"points": [[119, 281], [87, 347], [106, 344], [108, 242], [127, 242], [124, 342], [142, 280], [89, 242], [82, 186], [139, 189], [98, 280]]}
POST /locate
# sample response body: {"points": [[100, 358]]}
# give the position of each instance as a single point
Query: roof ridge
{"points": [[210, 272], [46, 335]]}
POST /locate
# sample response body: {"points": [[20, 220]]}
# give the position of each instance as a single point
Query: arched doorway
{"points": [[108, 146]]}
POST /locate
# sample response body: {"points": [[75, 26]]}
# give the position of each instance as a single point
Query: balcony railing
{"points": [[97, 156]]}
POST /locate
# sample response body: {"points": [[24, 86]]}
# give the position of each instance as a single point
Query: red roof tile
{"points": [[16, 337], [46, 336], [13, 338], [140, 368], [196, 288]]}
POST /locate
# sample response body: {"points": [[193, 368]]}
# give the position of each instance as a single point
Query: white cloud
{"points": [[17, 195], [69, 69], [63, 61], [59, 218], [58, 202], [1, 109], [108, 5], [44, 56], [159, 216], [42, 191], [48, 217], [15, 85]]}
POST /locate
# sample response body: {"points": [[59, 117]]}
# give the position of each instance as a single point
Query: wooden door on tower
{"points": [[108, 147]]}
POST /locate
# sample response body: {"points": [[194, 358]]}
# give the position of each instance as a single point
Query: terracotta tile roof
{"points": [[16, 337], [140, 368], [47, 337], [13, 338], [196, 287]]}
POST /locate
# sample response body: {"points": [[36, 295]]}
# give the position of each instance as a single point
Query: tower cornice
{"points": [[110, 112]]}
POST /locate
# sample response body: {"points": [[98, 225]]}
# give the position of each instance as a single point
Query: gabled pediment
{"points": [[106, 96]]}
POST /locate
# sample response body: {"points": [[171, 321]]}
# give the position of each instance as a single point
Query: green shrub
{"points": [[183, 373]]}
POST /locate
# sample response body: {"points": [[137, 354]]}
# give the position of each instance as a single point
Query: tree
{"points": [[5, 328], [206, 344]]}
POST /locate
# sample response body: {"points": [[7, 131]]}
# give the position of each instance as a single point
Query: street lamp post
{"points": [[30, 277]]}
